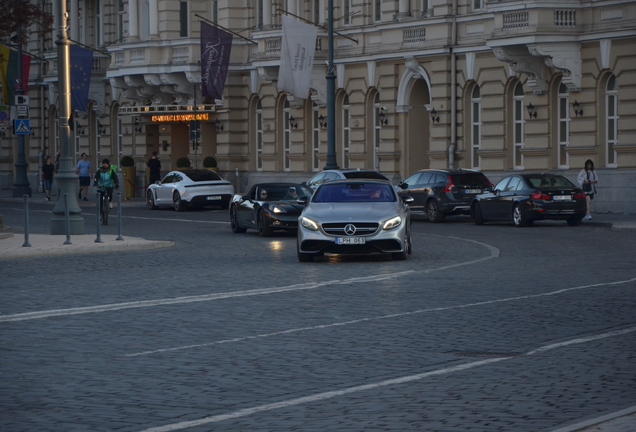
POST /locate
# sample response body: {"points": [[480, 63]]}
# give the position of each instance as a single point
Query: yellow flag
{"points": [[4, 62]]}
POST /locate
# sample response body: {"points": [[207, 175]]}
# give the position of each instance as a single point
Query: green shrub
{"points": [[183, 162], [127, 161], [209, 162]]}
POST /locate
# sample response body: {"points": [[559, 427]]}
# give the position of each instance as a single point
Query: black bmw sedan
{"points": [[524, 198]]}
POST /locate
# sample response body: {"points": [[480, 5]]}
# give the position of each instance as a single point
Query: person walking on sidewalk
{"points": [[587, 178], [48, 172], [155, 168], [85, 171]]}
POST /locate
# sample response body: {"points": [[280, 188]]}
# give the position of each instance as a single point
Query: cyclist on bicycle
{"points": [[105, 180]]}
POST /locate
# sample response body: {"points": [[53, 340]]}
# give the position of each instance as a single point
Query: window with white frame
{"points": [[611, 118], [316, 11], [286, 135], [259, 135], [347, 18], [120, 137], [518, 126], [214, 11], [377, 127], [478, 5], [424, 10], [120, 20], [563, 100], [475, 123], [259, 14], [315, 136], [183, 19], [144, 21], [99, 31], [377, 10], [346, 131]]}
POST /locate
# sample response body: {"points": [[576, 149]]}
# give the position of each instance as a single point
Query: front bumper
{"points": [[383, 241]]}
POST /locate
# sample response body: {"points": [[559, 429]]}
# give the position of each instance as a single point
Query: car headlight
{"points": [[308, 223], [277, 209], [392, 223]]}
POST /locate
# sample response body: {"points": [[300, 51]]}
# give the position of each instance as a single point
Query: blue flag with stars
{"points": [[81, 65]]}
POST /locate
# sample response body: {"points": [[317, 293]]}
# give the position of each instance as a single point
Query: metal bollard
{"points": [[99, 211], [26, 221], [119, 237], [68, 220]]}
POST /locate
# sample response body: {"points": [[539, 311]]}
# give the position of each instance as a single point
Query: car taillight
{"points": [[579, 196], [539, 195], [450, 187]]}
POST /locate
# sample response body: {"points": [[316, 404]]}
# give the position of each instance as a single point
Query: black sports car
{"points": [[268, 207], [524, 198]]}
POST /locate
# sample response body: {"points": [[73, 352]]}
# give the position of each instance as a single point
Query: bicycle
{"points": [[104, 204]]}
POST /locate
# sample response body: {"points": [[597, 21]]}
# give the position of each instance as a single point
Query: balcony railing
{"points": [[180, 54], [137, 55], [273, 46], [515, 20], [565, 18], [120, 58], [414, 35]]}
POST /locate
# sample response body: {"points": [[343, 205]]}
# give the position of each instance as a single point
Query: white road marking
{"points": [[397, 315], [395, 381]]}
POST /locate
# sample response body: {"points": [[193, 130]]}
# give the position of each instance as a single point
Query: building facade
{"points": [[497, 86]]}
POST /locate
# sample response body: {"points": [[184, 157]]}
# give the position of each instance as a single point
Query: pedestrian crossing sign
{"points": [[21, 127]]}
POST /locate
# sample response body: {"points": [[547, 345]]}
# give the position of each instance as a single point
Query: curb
{"points": [[625, 416]]}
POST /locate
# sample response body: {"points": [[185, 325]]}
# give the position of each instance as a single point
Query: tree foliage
{"points": [[16, 13]]}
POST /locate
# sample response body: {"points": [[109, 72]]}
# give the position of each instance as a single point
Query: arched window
{"points": [[563, 100], [258, 123], [346, 131], [377, 127], [518, 126], [611, 119], [286, 135], [475, 123], [315, 136]]}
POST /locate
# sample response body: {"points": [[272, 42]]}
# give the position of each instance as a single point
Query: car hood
{"points": [[287, 205], [360, 212]]}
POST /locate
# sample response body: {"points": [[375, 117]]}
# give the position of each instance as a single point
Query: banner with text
{"points": [[296, 57], [216, 45]]}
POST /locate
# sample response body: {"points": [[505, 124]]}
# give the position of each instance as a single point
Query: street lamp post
{"points": [[21, 185], [66, 177], [331, 95]]}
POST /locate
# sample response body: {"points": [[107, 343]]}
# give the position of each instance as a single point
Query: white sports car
{"points": [[191, 188]]}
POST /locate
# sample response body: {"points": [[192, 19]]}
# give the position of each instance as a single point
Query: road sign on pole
{"points": [[21, 127]]}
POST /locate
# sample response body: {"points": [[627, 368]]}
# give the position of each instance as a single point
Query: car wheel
{"points": [[433, 212], [401, 256], [575, 220], [478, 216], [234, 222], [518, 217], [179, 204], [150, 200], [263, 228]]}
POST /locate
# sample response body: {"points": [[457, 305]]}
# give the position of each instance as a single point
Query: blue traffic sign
{"points": [[21, 127]]}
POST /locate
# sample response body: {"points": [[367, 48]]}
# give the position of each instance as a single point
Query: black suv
{"points": [[443, 192]]}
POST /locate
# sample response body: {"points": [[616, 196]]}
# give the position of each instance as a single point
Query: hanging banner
{"points": [[216, 45], [9, 74], [296, 57], [81, 65]]}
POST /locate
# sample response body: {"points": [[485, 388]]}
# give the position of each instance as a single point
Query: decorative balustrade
{"points": [[120, 58], [137, 55], [180, 54], [515, 20], [414, 35], [565, 18], [273, 46]]}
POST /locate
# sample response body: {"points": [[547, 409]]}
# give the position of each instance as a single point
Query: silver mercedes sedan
{"points": [[354, 217]]}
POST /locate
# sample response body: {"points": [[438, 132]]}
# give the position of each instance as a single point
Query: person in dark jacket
{"points": [[105, 180], [155, 168]]}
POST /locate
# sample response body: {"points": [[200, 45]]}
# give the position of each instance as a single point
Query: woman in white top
{"points": [[586, 177]]}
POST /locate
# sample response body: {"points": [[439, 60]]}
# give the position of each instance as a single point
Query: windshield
{"points": [[204, 175], [364, 174], [547, 182], [355, 192], [470, 180], [282, 192]]}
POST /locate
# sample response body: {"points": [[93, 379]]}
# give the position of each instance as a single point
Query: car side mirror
{"points": [[302, 200], [246, 198], [407, 199], [158, 182], [304, 183], [403, 185]]}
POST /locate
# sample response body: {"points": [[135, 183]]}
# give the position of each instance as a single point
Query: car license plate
{"points": [[350, 240], [472, 191], [213, 198], [562, 198]]}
